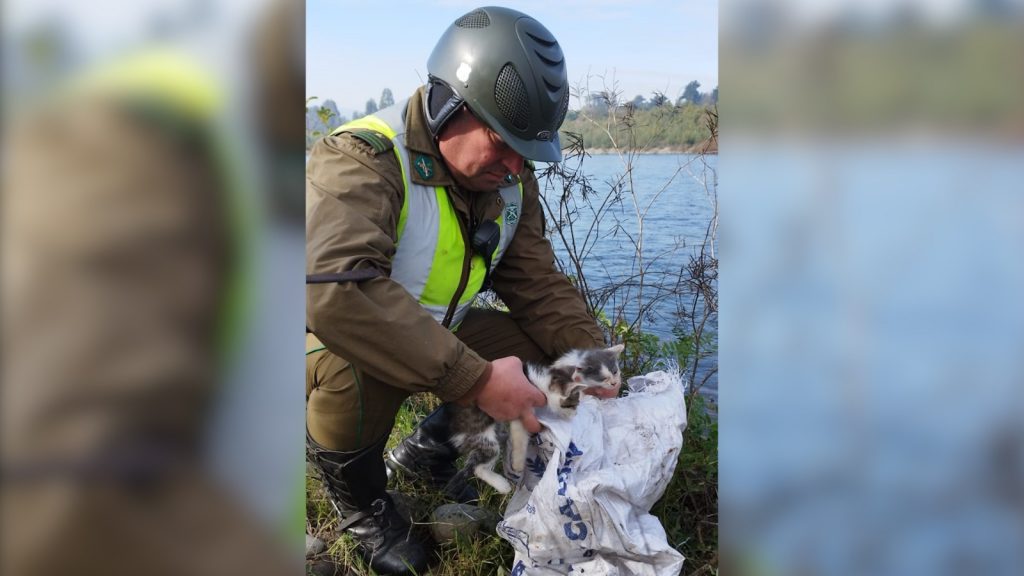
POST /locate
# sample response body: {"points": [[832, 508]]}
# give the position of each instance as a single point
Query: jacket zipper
{"points": [[466, 261]]}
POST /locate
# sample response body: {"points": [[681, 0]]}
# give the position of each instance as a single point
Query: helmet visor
{"points": [[547, 147]]}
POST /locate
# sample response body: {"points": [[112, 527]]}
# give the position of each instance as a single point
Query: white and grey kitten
{"points": [[475, 435]]}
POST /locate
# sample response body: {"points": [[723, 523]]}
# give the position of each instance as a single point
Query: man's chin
{"points": [[488, 182]]}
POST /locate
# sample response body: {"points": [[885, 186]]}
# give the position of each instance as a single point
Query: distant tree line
{"points": [[322, 119], [599, 101], [660, 121], [655, 123]]}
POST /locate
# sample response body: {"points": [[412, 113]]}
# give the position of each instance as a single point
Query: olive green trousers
{"points": [[346, 409]]}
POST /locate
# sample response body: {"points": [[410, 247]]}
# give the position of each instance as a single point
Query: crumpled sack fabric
{"points": [[590, 482]]}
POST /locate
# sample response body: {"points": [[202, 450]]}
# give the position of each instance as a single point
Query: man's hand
{"points": [[603, 392], [507, 394]]}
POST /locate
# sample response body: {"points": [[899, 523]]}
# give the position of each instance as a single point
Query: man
{"points": [[409, 214]]}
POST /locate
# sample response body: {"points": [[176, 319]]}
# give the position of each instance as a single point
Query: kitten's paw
{"points": [[495, 480], [501, 485]]}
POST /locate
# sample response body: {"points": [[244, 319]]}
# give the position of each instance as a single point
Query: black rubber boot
{"points": [[429, 455], [356, 482]]}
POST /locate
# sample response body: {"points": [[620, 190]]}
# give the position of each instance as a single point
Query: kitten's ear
{"points": [[617, 349]]}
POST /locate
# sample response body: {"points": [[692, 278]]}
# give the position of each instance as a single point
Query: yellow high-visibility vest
{"points": [[430, 249]]}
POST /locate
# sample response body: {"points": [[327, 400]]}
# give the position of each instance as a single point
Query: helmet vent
{"points": [[547, 60], [510, 95], [547, 42], [475, 19]]}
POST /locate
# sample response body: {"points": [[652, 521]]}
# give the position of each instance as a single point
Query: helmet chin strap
{"points": [[440, 103]]}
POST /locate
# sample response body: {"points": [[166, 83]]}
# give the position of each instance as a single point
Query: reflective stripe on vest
{"points": [[430, 248]]}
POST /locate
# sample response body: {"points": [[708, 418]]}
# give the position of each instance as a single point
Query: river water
{"points": [[673, 195]]}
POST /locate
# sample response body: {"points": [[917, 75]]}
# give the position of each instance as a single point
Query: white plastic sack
{"points": [[590, 482]]}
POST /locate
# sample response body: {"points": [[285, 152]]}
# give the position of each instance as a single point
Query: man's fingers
{"points": [[538, 398], [602, 392], [530, 422]]}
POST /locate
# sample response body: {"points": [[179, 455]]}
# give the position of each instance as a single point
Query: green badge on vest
{"points": [[424, 166], [511, 213]]}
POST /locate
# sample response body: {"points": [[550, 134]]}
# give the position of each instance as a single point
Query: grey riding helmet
{"points": [[510, 71]]}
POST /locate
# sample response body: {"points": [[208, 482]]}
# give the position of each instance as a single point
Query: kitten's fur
{"points": [[474, 432]]}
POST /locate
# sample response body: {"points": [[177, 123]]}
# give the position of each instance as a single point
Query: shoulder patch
{"points": [[376, 140]]}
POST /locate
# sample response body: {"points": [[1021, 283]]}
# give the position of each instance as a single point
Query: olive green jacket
{"points": [[353, 199]]}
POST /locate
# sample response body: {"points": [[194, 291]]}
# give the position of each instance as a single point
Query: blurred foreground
{"points": [[872, 222], [152, 261]]}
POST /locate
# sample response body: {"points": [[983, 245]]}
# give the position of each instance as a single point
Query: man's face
{"points": [[476, 156]]}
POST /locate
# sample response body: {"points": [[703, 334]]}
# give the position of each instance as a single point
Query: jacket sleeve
{"points": [[540, 298], [353, 200]]}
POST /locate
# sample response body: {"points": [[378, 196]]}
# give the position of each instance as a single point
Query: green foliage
{"points": [[644, 351], [680, 128], [956, 81], [325, 115], [689, 508]]}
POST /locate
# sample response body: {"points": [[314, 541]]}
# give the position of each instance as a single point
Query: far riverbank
{"points": [[695, 149]]}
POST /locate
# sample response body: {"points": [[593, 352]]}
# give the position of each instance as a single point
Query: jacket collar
{"points": [[428, 168]]}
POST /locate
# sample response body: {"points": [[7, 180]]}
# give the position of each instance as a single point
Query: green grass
{"points": [[688, 510]]}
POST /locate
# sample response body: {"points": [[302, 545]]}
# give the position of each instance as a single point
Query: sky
{"points": [[97, 27], [355, 49]]}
